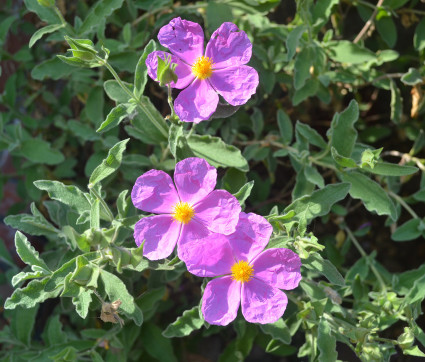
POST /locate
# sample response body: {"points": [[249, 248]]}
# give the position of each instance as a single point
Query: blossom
{"points": [[248, 274], [221, 69], [189, 211]]}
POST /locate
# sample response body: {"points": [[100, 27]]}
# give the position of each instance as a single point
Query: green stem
{"points": [[404, 204], [131, 95], [63, 21], [173, 117], [105, 206], [364, 255]]}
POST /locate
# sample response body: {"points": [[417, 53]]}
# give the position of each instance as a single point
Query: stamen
{"points": [[202, 68], [183, 212], [242, 271]]}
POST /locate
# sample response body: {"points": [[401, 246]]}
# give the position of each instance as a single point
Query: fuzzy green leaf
{"points": [[185, 324]]}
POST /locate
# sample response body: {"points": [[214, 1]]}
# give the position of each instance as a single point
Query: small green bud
{"points": [[406, 339], [47, 3], [370, 157], [166, 71]]}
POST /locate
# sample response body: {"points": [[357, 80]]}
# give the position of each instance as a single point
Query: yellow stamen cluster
{"points": [[242, 271], [183, 212], [202, 68]]}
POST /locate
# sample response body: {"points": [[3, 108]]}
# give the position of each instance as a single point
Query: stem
{"points": [[368, 23], [404, 204], [173, 117], [363, 254], [191, 130], [131, 95], [105, 206], [63, 21]]}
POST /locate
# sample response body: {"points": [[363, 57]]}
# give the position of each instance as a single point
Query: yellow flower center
{"points": [[202, 68], [183, 212], [242, 271]]}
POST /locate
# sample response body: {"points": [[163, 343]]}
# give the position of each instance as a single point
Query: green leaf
{"points": [[244, 192], [371, 193], [319, 202], [311, 135], [185, 324], [82, 303], [419, 37], [46, 14], [303, 63], [344, 51], [155, 344], [27, 253], [387, 29], [94, 105], [293, 39], [278, 330], [46, 30], [22, 276], [30, 296], [110, 164], [115, 92], [396, 103], [35, 224], [22, 323], [116, 289], [53, 332], [326, 342], [341, 160], [325, 267], [52, 68], [145, 122], [342, 132], [216, 152], [285, 127], [114, 118], [416, 293], [69, 195], [390, 169], [39, 151], [314, 176], [412, 77], [98, 13], [413, 351], [410, 230]]}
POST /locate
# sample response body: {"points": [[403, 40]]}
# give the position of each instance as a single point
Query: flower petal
{"points": [[229, 47], [184, 38], [197, 102], [278, 267], [194, 179], [251, 236], [160, 233], [235, 84], [183, 71], [221, 301], [219, 212], [154, 191], [262, 303], [206, 254]]}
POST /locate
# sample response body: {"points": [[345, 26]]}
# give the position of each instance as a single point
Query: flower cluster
{"points": [[203, 75], [215, 239]]}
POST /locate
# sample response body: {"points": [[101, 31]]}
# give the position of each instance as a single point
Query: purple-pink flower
{"points": [[188, 212], [221, 69], [252, 277]]}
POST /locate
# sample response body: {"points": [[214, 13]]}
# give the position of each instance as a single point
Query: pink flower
{"points": [[221, 70], [192, 212], [252, 276]]}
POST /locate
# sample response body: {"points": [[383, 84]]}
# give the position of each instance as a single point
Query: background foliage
{"points": [[330, 150]]}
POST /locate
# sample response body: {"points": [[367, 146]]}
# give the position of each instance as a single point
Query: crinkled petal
{"points": [[251, 236], [235, 84], [183, 71], [154, 191], [278, 267], [221, 301], [229, 47], [194, 179], [219, 212], [262, 303], [184, 38], [160, 233], [197, 102], [206, 254]]}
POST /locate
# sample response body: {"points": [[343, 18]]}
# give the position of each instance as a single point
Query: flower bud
{"points": [[165, 71]]}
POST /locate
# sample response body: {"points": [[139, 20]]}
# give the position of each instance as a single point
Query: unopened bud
{"points": [[166, 71]]}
